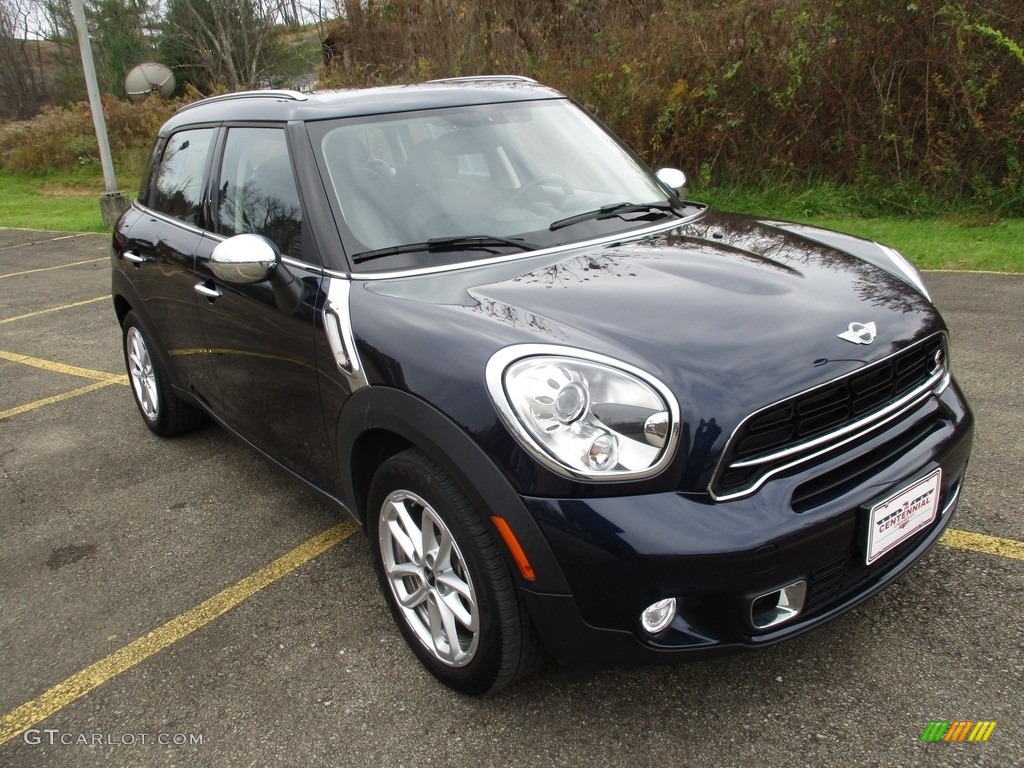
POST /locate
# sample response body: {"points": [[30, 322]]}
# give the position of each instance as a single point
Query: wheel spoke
{"points": [[405, 532], [465, 616], [411, 599], [443, 554], [150, 385], [455, 583], [443, 633], [451, 629]]}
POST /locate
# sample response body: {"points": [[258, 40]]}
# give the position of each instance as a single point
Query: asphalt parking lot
{"points": [[183, 603]]}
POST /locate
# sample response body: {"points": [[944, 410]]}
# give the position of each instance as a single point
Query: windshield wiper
{"points": [[458, 243], [610, 210]]}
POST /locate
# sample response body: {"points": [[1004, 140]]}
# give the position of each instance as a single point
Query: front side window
{"points": [[178, 190], [257, 193]]}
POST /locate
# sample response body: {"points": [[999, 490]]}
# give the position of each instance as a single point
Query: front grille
{"points": [[806, 426], [830, 485]]}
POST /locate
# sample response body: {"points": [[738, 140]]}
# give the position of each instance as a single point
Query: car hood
{"points": [[732, 314]]}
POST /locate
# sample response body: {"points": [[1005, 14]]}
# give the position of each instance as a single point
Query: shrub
{"points": [[64, 139], [909, 101]]}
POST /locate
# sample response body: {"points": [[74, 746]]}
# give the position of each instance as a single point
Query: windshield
{"points": [[444, 186]]}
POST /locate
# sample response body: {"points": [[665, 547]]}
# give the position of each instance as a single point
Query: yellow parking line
{"points": [[55, 309], [56, 398], [73, 370], [59, 266], [39, 242], [17, 721], [979, 542]]}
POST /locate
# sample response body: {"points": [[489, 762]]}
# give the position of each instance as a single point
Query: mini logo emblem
{"points": [[859, 333]]}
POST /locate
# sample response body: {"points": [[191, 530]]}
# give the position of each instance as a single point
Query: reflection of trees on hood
{"points": [[582, 269], [775, 248]]}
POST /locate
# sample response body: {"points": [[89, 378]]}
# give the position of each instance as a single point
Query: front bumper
{"points": [[620, 555]]}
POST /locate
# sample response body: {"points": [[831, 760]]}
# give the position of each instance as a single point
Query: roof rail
{"points": [[266, 94], [486, 79]]}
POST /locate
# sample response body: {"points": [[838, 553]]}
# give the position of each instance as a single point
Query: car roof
{"points": [[322, 105]]}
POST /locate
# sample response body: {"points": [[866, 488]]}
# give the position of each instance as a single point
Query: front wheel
{"points": [[162, 411], [448, 587]]}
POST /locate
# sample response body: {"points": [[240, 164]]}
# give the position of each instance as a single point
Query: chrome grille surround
{"points": [[756, 467]]}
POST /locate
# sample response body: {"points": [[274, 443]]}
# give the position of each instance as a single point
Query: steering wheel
{"points": [[546, 180]]}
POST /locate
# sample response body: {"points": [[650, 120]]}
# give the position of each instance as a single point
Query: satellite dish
{"points": [[149, 77]]}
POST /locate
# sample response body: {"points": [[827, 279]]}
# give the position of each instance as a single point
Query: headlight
{"points": [[904, 266], [583, 415]]}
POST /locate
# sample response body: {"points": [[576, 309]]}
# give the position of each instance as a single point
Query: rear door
{"points": [[160, 251]]}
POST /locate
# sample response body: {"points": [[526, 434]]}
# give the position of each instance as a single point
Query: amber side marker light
{"points": [[514, 547]]}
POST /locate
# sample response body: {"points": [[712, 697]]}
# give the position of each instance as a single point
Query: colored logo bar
{"points": [[958, 730]]}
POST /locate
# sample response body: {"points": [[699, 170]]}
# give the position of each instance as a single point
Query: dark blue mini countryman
{"points": [[577, 414]]}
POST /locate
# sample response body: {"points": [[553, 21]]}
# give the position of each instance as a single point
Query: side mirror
{"points": [[245, 259], [674, 179]]}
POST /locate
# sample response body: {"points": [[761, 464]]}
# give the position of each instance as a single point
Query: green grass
{"points": [[56, 203], [929, 234], [942, 243], [71, 203]]}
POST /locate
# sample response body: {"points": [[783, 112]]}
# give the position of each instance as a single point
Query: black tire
{"points": [[160, 408], [505, 647]]}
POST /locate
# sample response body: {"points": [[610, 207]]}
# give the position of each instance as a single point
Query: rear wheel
{"points": [[161, 409], [445, 580]]}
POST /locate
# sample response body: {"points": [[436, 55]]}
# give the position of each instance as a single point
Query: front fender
{"points": [[377, 409]]}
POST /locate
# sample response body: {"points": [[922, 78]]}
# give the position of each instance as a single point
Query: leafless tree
{"points": [[225, 44], [22, 79]]}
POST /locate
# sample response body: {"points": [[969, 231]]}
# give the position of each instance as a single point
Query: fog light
{"points": [[658, 615], [603, 452], [779, 606]]}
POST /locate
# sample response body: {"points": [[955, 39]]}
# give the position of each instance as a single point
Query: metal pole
{"points": [[112, 203]]}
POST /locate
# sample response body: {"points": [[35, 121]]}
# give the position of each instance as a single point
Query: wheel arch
{"points": [[378, 422]]}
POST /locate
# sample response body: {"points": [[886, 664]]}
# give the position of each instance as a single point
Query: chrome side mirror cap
{"points": [[674, 179], [244, 259]]}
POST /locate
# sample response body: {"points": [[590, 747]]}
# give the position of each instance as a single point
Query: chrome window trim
{"points": [[618, 238], [170, 219], [303, 265], [494, 376], [935, 385]]}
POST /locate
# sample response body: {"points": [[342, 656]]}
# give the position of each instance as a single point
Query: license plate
{"points": [[902, 515]]}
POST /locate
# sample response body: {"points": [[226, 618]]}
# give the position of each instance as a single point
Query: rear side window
{"points": [[178, 190], [256, 193]]}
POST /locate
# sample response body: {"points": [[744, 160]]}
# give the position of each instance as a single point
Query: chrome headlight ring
{"points": [[583, 415]]}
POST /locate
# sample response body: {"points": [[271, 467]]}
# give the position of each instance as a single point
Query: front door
{"points": [[263, 354]]}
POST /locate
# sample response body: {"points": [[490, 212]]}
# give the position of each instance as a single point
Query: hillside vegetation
{"points": [[860, 108], [919, 104]]}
